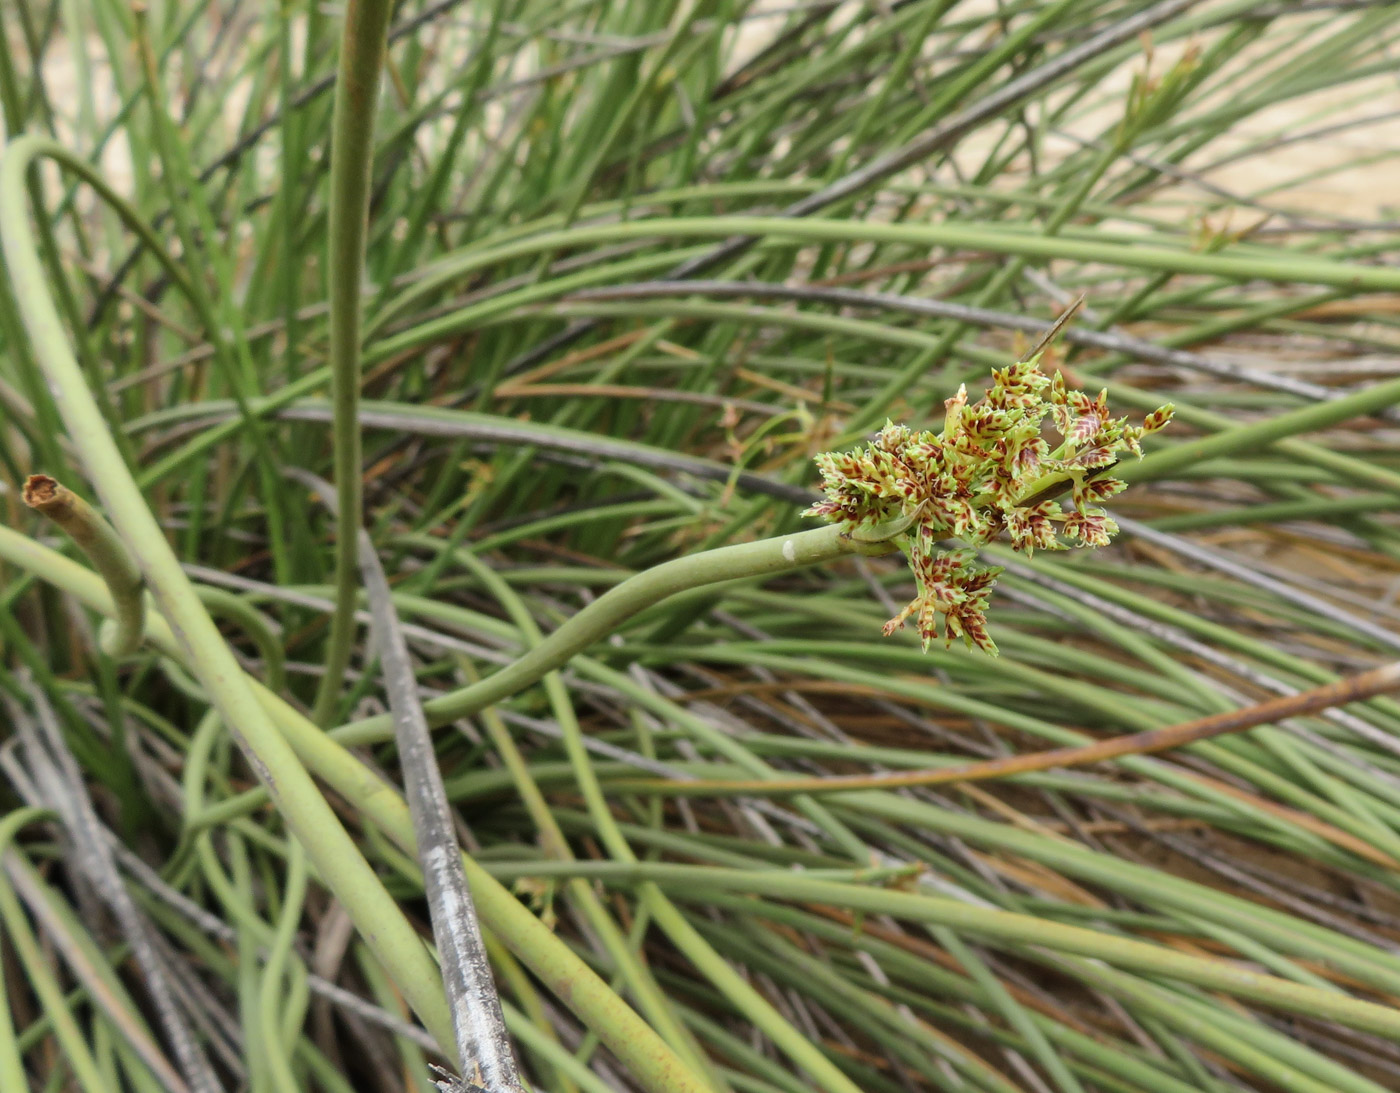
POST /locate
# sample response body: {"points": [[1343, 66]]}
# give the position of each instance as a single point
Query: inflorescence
{"points": [[989, 471]]}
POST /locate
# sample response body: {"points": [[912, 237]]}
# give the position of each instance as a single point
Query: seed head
{"points": [[991, 470]]}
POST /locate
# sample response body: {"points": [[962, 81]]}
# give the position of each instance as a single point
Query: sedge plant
{"points": [[875, 196]]}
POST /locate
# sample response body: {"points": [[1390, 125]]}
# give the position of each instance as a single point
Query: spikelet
{"points": [[986, 473]]}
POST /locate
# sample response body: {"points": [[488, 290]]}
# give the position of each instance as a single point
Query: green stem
{"points": [[260, 629], [105, 550], [38, 969], [670, 920], [1008, 927], [273, 990], [656, 1066], [352, 155], [617, 605], [314, 823], [1277, 430]]}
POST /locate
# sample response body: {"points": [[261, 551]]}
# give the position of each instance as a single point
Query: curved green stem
{"points": [[617, 605], [313, 822], [259, 628], [656, 1066], [640, 981], [352, 154], [105, 550]]}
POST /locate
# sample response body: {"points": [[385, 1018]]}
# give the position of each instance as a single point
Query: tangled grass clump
{"points": [[990, 470], [555, 303]]}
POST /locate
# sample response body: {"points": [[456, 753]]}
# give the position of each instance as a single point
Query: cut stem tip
{"points": [[108, 554]]}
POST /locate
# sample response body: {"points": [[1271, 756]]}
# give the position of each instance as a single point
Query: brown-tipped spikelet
{"points": [[989, 471]]}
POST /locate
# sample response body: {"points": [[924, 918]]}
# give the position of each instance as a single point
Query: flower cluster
{"points": [[989, 471]]}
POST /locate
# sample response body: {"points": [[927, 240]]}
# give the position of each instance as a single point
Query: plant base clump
{"points": [[991, 470]]}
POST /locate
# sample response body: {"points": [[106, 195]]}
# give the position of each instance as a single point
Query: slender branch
{"points": [[122, 636], [352, 152], [1355, 688], [483, 1044]]}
